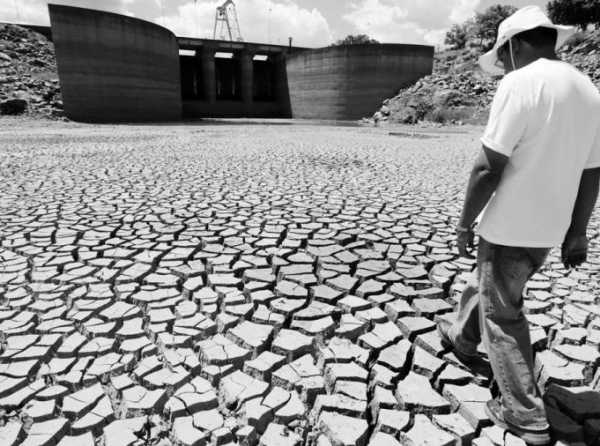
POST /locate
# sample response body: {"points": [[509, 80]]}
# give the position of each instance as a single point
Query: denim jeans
{"points": [[492, 310]]}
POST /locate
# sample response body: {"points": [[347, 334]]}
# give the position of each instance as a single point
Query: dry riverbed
{"points": [[257, 283]]}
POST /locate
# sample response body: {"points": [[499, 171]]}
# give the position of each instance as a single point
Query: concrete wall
{"points": [[115, 68], [350, 82]]}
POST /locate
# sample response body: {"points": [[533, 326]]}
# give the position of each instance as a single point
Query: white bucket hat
{"points": [[524, 19]]}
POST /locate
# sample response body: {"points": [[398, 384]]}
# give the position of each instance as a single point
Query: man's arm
{"points": [[484, 180], [574, 249]]}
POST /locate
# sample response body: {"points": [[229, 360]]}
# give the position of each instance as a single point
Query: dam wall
{"points": [[115, 68], [350, 82]]}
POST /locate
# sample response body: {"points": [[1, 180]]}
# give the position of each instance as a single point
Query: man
{"points": [[538, 174]]}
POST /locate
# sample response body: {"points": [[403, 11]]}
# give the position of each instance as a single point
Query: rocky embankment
{"points": [[458, 91], [28, 75]]}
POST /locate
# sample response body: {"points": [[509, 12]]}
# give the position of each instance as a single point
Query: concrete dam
{"points": [[116, 68]]}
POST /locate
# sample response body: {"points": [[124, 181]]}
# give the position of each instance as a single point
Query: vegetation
{"points": [[486, 24], [479, 31], [356, 39], [458, 35], [581, 13]]}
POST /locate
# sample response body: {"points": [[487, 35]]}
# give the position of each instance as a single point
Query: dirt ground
{"points": [[252, 282]]}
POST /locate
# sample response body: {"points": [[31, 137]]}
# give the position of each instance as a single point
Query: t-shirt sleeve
{"points": [[508, 118], [594, 158]]}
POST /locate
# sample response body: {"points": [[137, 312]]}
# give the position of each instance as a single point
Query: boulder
{"points": [[13, 107]]}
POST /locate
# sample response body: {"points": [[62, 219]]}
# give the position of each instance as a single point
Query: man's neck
{"points": [[526, 59]]}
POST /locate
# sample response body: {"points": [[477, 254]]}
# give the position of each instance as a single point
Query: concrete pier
{"points": [[114, 67], [350, 82]]}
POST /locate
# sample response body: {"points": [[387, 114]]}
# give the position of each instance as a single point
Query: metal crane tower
{"points": [[226, 23]]}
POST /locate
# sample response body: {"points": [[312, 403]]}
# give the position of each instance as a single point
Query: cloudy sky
{"points": [[311, 23]]}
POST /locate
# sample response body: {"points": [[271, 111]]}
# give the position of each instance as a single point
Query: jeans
{"points": [[492, 310]]}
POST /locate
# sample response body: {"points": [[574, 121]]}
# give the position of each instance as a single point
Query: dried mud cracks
{"points": [[247, 285]]}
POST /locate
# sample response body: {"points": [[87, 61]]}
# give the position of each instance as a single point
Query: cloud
{"points": [[463, 10], [406, 21], [260, 21], [375, 14], [36, 11], [483, 4], [32, 11], [416, 21], [435, 37]]}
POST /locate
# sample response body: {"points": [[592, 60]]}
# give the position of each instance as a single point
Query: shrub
{"points": [[456, 38], [485, 27], [581, 13], [355, 40]]}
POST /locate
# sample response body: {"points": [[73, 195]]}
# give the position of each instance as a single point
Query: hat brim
{"points": [[488, 61]]}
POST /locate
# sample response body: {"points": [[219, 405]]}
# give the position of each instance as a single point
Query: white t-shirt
{"points": [[546, 118]]}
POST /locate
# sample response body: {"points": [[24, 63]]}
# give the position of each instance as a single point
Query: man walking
{"points": [[538, 174]]}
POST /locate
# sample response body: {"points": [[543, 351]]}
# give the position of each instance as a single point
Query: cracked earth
{"points": [[257, 284]]}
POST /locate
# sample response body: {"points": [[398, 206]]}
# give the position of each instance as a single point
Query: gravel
{"points": [[28, 74]]}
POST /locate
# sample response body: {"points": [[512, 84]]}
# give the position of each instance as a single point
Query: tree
{"points": [[485, 28], [457, 36], [580, 13], [355, 40]]}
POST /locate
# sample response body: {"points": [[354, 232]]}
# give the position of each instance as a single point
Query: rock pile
{"points": [[458, 91], [28, 75], [584, 53]]}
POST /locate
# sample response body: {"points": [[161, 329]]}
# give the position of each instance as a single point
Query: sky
{"points": [[311, 23]]}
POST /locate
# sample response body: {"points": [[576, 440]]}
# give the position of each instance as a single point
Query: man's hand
{"points": [[574, 250], [574, 247], [465, 242]]}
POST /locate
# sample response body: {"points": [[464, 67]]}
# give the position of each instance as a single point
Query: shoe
{"points": [[443, 327], [531, 436]]}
